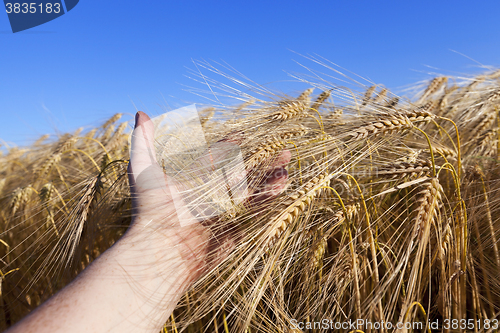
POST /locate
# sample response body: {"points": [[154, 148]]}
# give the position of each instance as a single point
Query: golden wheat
{"points": [[428, 204], [318, 102], [387, 126], [295, 204], [402, 169], [370, 225]]}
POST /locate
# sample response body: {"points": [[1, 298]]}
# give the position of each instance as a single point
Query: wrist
{"points": [[167, 249]]}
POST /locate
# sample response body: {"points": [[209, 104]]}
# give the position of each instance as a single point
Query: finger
{"points": [[220, 152], [261, 174], [275, 181], [281, 160], [222, 169], [142, 153], [274, 185]]}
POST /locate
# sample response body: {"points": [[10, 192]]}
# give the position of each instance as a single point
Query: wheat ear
{"points": [[112, 120], [296, 204], [383, 126], [272, 146], [422, 114], [16, 200], [2, 185], [305, 96], [81, 213], [91, 133], [368, 94], [114, 141], [434, 86], [393, 102], [41, 140], [380, 96], [45, 167], [321, 99], [494, 96], [206, 115], [428, 204], [45, 195], [444, 152], [403, 169], [291, 109], [482, 126]]}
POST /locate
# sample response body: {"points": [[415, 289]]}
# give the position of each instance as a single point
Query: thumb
{"points": [[142, 152]]}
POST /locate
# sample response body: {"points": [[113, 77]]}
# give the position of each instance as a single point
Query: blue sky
{"points": [[105, 57]]}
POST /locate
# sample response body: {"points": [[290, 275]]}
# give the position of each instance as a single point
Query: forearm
{"points": [[132, 287]]}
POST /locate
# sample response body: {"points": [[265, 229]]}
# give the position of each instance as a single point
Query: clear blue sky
{"points": [[105, 56]]}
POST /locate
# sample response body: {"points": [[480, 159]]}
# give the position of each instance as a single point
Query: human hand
{"points": [[136, 284], [156, 198]]}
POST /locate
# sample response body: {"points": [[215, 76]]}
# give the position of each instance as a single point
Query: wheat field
{"points": [[390, 211]]}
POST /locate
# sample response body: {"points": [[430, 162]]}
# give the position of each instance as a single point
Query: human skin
{"points": [[135, 285]]}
